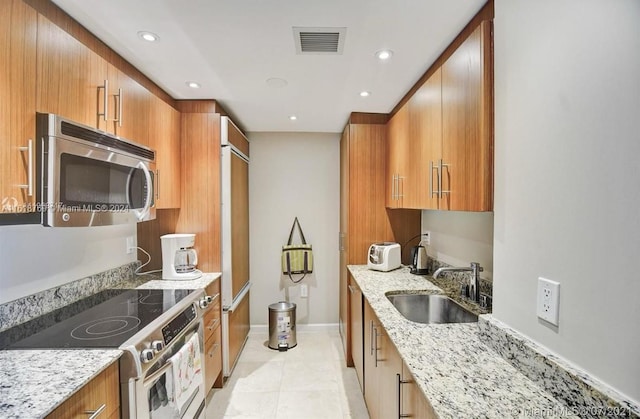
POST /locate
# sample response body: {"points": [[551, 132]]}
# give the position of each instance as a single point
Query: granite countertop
{"points": [[34, 382], [460, 375]]}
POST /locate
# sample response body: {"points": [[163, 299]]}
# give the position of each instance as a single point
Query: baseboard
{"points": [[301, 328]]}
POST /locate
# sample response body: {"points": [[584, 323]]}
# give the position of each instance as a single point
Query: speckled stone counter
{"points": [[460, 376], [34, 382]]}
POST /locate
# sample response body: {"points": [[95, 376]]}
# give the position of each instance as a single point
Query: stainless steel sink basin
{"points": [[431, 308]]}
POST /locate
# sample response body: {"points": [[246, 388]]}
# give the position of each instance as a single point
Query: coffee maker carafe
{"points": [[179, 258]]}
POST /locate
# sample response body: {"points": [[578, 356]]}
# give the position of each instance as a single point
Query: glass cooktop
{"points": [[104, 320]]}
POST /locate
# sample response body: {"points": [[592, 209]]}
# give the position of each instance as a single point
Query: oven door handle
{"points": [[147, 205], [148, 381]]}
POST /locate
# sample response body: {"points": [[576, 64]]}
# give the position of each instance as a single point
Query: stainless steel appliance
{"points": [[384, 256], [235, 241], [179, 258], [419, 261], [150, 326], [89, 177]]}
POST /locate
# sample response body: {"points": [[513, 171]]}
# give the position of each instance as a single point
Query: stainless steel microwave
{"points": [[89, 177]]}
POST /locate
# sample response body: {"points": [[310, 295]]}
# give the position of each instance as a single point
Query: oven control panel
{"points": [[175, 326]]}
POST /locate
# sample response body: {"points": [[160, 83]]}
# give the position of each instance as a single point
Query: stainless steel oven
{"points": [[90, 177]]}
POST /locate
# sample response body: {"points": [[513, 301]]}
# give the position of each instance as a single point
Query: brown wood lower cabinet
{"points": [[355, 318], [238, 329], [389, 388], [104, 390], [213, 339]]}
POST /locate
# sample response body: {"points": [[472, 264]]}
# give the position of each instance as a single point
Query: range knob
{"points": [[204, 303], [157, 345], [146, 355]]}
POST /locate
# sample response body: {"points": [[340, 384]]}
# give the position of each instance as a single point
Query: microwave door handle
{"points": [[147, 204]]}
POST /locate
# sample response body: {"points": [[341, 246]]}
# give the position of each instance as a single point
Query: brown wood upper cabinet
{"points": [[17, 106], [164, 137], [440, 145]]}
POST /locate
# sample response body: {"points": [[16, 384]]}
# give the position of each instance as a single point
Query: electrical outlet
{"points": [[548, 300], [304, 291], [426, 238], [131, 244]]}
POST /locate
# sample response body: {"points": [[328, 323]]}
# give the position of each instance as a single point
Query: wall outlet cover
{"points": [[548, 300], [131, 244], [426, 238], [304, 291]]}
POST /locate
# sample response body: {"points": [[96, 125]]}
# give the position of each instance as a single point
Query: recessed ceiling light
{"points": [[293, 117], [276, 82], [193, 84], [384, 54], [365, 93], [148, 36]]}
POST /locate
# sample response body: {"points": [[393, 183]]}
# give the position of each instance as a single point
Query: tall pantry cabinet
{"points": [[363, 217]]}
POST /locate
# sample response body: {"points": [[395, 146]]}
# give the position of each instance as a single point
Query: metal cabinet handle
{"points": [[105, 101], [399, 383], [441, 167], [400, 187], [157, 184], [95, 413], [370, 337], [375, 356], [29, 150], [213, 324], [120, 103], [213, 350], [431, 191]]}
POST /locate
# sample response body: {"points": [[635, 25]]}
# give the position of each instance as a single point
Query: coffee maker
{"points": [[179, 259]]}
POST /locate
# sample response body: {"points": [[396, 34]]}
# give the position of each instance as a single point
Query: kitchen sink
{"points": [[431, 308]]}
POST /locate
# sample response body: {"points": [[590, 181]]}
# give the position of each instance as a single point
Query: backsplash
{"points": [[459, 278], [584, 395], [35, 305]]}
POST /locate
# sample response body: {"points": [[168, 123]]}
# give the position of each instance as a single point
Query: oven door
{"points": [[158, 401], [91, 186]]}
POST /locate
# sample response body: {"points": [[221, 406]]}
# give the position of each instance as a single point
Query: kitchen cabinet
{"points": [[389, 388], [18, 24], [467, 125], [398, 159], [356, 327], [414, 403], [425, 132], [440, 145], [363, 217], [164, 137], [129, 107], [213, 338], [101, 394]]}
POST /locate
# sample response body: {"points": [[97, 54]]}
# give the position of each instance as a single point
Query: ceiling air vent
{"points": [[319, 41]]}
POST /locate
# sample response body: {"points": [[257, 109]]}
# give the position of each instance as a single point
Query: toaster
{"points": [[384, 256]]}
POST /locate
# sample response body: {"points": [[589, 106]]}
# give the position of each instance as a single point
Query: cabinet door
{"points": [[414, 403], [425, 132], [238, 330], [104, 390], [69, 76], [343, 320], [389, 375], [467, 132], [164, 137], [130, 105], [356, 329], [371, 384], [397, 157], [17, 104]]}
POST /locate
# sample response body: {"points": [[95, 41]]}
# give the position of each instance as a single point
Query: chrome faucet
{"points": [[474, 281]]}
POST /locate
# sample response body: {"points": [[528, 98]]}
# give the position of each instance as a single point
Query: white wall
{"points": [[294, 174], [459, 238], [35, 258], [567, 192]]}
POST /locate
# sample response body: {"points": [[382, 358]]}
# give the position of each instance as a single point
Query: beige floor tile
{"points": [[311, 375], [258, 405], [309, 405], [256, 376]]}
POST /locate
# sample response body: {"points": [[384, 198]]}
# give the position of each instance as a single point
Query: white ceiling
{"points": [[231, 47]]}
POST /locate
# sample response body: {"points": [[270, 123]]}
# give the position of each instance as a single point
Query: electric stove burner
{"points": [[105, 328], [104, 320]]}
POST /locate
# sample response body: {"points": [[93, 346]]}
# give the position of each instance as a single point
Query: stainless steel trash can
{"points": [[282, 326]]}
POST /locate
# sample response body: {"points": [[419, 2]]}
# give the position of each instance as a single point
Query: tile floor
{"points": [[308, 381]]}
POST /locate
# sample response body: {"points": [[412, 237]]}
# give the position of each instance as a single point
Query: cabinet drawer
{"points": [[101, 391], [212, 317], [212, 358]]}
